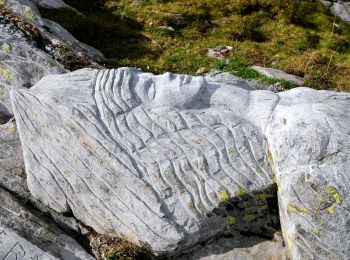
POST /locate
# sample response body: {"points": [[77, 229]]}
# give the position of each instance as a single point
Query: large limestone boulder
{"points": [[171, 160], [309, 137], [153, 156]]}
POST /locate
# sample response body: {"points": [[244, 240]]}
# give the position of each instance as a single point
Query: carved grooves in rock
{"points": [[172, 167], [185, 161]]}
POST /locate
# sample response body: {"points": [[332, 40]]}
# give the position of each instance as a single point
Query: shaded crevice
{"points": [[254, 214], [253, 218], [5, 118]]}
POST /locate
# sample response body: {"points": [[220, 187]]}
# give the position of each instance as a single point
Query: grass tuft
{"points": [[243, 70], [299, 37]]}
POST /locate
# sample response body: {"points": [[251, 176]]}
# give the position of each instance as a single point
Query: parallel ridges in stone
{"points": [[193, 157]]}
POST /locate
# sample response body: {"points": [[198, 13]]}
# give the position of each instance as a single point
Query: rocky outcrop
{"points": [[168, 161], [339, 8], [22, 63], [51, 31], [23, 235], [28, 51]]}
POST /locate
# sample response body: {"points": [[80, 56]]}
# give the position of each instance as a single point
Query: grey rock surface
{"points": [[50, 30], [250, 84], [217, 76], [279, 74], [186, 156], [12, 174], [154, 158], [339, 8], [309, 139], [23, 235], [13, 179], [22, 64], [55, 4]]}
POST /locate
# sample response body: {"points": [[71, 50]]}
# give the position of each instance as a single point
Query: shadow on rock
{"points": [[116, 36], [253, 226]]}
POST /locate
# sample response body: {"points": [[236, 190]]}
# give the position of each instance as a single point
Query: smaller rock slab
{"points": [[24, 235], [279, 74]]}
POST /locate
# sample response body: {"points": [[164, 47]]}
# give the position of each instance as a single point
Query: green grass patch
{"points": [[299, 37], [243, 70]]}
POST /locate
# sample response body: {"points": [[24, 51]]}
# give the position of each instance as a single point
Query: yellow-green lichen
{"points": [[316, 230], [303, 209], [2, 93], [6, 48], [231, 151], [334, 193], [29, 12], [319, 198], [48, 63], [278, 184], [231, 220], [330, 210], [224, 196], [250, 218], [263, 196], [240, 192], [30, 16], [270, 156], [6, 73], [69, 44], [296, 210], [293, 209], [13, 129]]}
